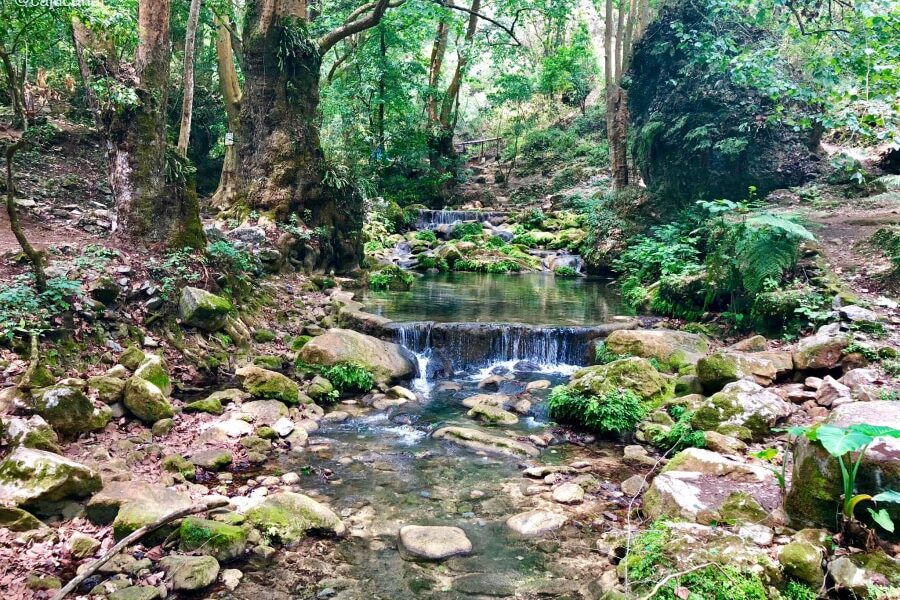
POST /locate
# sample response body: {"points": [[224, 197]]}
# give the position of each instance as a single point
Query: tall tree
{"points": [[226, 194], [187, 104], [283, 169], [154, 190]]}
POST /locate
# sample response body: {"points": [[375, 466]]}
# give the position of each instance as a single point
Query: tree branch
{"points": [[376, 11], [509, 30], [133, 537]]}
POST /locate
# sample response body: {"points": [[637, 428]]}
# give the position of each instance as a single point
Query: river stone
{"points": [[479, 440], [33, 432], [216, 459], [146, 401], [400, 392], [434, 543], [859, 572], [832, 393], [109, 389], [703, 486], [229, 395], [539, 384], [265, 384], [544, 470], [671, 348], [635, 374], [287, 516], [222, 541], [319, 388], [723, 367], [803, 561], [31, 478], [816, 483], [265, 412], [535, 522], [82, 546], [132, 357], [212, 406], [17, 519], [724, 444], [492, 415], [824, 350], [129, 505], [203, 310], [568, 493], [744, 404], [283, 427], [65, 407], [634, 486], [495, 400], [153, 368], [387, 361], [190, 573], [863, 384]]}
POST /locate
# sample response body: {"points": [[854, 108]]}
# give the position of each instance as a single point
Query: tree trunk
{"points": [[226, 194], [282, 164], [40, 279], [150, 206], [14, 87], [617, 119], [187, 104]]}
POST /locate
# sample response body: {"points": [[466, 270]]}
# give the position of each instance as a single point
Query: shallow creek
{"points": [[383, 470]]}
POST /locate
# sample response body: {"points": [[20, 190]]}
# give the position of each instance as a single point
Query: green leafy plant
{"points": [[390, 278], [565, 272], [426, 235], [616, 411], [603, 355], [350, 377], [24, 311], [463, 229], [848, 446]]}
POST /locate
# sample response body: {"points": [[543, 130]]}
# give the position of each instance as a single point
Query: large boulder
{"points": [[265, 384], [31, 478], [813, 498], [223, 541], [742, 404], [33, 432], [669, 347], [65, 407], [635, 374], [288, 517], [146, 401], [703, 486], [153, 368], [485, 442], [203, 310], [687, 149], [719, 369], [824, 350], [129, 505], [387, 361]]}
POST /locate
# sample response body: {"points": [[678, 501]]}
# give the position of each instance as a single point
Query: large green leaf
{"points": [[839, 441], [887, 496], [875, 430], [883, 518]]}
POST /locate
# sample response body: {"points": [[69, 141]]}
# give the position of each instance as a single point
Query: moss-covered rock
{"points": [[719, 369], [287, 517], [30, 478], [146, 401], [190, 573], [16, 519], [65, 407], [635, 374], [387, 361], [82, 546], [262, 383], [484, 442], [132, 357], [153, 369], [859, 573], [212, 406], [129, 505], [673, 349], [803, 561], [175, 463], [33, 432], [743, 404], [824, 350], [201, 309], [272, 362], [319, 388], [109, 389], [215, 459], [217, 539], [493, 415]]}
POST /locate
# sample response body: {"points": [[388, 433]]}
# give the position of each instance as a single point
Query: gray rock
{"points": [[535, 523], [434, 543], [201, 309], [31, 477], [190, 573]]}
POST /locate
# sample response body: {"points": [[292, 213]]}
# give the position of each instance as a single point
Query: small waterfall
{"points": [[416, 337], [476, 345], [429, 219]]}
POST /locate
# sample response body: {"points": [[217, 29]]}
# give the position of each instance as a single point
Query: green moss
{"points": [[212, 406], [741, 507], [298, 342], [132, 358], [266, 433], [175, 463], [263, 336], [269, 361], [224, 542]]}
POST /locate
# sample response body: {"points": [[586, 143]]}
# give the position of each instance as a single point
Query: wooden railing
{"points": [[462, 146]]}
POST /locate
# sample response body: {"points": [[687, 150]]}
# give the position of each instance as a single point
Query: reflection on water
{"points": [[533, 298]]}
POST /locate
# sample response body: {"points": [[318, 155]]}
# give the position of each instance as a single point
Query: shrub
{"points": [[525, 239], [433, 262], [463, 229], [681, 435], [495, 241], [390, 278], [24, 311], [617, 411], [603, 355], [349, 377], [426, 235], [565, 272], [533, 218]]}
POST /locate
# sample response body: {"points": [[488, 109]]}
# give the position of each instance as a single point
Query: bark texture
{"points": [[187, 104], [226, 194]]}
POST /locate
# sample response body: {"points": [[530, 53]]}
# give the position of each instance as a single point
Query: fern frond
{"points": [[765, 255], [785, 224]]}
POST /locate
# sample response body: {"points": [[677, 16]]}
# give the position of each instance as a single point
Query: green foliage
{"points": [[532, 218], [24, 311], [681, 435], [390, 278], [565, 272], [433, 262], [887, 239], [96, 257], [617, 411], [462, 230], [426, 235], [603, 355], [647, 552], [570, 71], [349, 377], [869, 353], [794, 590], [715, 582], [848, 446]]}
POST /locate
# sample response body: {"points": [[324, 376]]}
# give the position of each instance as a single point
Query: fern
{"points": [[765, 257], [786, 225]]}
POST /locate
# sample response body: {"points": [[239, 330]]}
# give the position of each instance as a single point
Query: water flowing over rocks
{"points": [[479, 440]]}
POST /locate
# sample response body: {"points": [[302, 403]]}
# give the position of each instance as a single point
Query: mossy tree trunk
{"points": [[40, 279], [154, 191], [226, 194], [282, 167]]}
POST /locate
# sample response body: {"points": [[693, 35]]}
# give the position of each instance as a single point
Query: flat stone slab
{"points": [[479, 440], [434, 543], [536, 522]]}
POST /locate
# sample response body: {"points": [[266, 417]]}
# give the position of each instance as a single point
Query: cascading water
{"points": [[475, 345], [418, 341], [429, 219]]}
